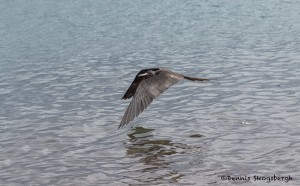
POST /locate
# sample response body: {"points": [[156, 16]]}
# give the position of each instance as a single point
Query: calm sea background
{"points": [[64, 66]]}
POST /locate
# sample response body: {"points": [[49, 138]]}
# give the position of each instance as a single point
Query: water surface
{"points": [[66, 64]]}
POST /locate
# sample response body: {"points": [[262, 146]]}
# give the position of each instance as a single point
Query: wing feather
{"points": [[148, 90]]}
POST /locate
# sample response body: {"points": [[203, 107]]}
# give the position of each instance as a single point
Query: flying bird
{"points": [[147, 85]]}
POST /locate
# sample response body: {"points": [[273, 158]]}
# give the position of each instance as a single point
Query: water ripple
{"points": [[65, 67]]}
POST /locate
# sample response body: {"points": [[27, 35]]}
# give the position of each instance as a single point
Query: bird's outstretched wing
{"points": [[131, 90], [147, 90]]}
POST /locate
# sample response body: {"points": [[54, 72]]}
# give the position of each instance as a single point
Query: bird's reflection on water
{"points": [[142, 143], [156, 153]]}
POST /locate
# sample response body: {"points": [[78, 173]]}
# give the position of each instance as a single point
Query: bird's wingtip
{"points": [[120, 126]]}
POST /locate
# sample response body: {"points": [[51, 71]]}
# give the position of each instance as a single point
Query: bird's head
{"points": [[148, 72]]}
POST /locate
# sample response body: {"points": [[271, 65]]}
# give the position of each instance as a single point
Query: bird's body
{"points": [[147, 85]]}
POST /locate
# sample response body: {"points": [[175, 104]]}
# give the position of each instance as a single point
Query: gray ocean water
{"points": [[65, 65]]}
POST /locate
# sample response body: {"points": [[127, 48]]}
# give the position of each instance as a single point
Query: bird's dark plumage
{"points": [[147, 85], [137, 80]]}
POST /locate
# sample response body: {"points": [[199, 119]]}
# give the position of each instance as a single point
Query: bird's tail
{"points": [[195, 79]]}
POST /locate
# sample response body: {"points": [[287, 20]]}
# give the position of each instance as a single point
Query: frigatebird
{"points": [[147, 85]]}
